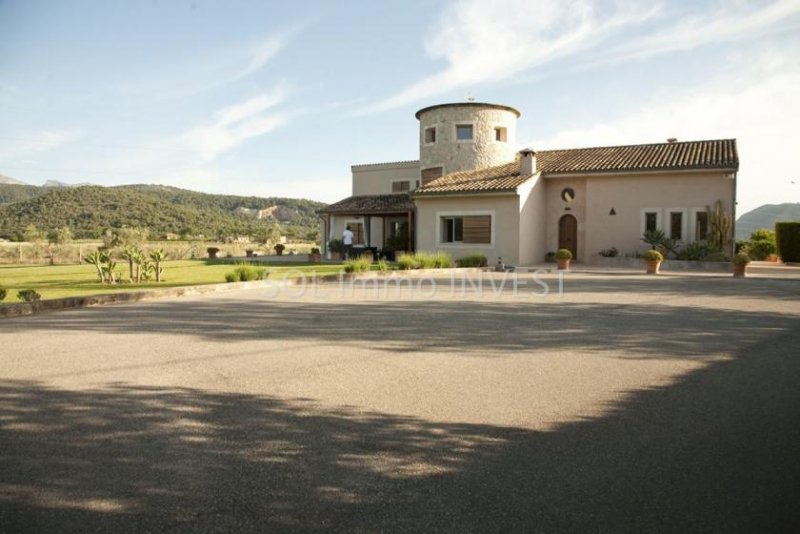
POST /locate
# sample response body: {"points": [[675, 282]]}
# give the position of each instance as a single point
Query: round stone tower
{"points": [[465, 136]]}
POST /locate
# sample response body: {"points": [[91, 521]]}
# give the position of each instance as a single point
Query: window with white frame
{"points": [[650, 221], [401, 186], [676, 225], [463, 132], [700, 225]]}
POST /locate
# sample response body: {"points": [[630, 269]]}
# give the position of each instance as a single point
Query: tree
{"points": [[32, 234], [267, 234], [131, 254], [132, 237]]}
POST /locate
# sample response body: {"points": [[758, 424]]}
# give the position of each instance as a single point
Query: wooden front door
{"points": [[568, 234]]}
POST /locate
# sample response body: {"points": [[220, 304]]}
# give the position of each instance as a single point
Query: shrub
{"points": [[212, 252], [653, 255], [246, 273], [382, 266], [550, 257], [741, 259], [654, 238], [717, 255], [760, 249], [763, 234], [609, 252], [787, 236], [279, 248], [563, 254], [408, 262], [314, 250], [336, 245], [473, 260], [3, 294], [28, 295], [698, 251], [358, 265]]}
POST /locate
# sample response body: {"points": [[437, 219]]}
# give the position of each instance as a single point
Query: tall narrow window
{"points": [[430, 135], [701, 226], [676, 225], [464, 132], [650, 221]]}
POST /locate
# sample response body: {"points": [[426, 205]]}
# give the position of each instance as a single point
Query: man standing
{"points": [[347, 240]]}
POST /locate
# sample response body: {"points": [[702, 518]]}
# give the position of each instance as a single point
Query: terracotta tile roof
{"points": [[715, 154], [500, 178], [372, 204]]}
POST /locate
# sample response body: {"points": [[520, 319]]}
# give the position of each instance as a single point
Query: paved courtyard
{"points": [[625, 404]]}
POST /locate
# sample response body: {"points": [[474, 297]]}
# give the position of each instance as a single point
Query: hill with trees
{"points": [[89, 210], [765, 217]]}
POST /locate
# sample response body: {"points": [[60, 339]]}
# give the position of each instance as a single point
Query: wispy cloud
{"points": [[484, 42], [721, 24], [26, 145], [490, 41], [235, 124]]}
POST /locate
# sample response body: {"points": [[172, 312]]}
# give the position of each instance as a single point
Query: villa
{"points": [[471, 191]]}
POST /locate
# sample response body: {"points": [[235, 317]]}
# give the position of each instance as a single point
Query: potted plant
{"points": [[563, 256], [279, 249], [653, 259], [249, 252], [335, 247], [212, 252], [314, 256], [740, 262], [550, 257]]}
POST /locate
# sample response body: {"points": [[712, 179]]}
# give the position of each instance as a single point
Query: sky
{"points": [[281, 98]]}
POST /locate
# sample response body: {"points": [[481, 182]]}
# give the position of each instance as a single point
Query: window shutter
{"points": [[478, 229], [430, 174]]}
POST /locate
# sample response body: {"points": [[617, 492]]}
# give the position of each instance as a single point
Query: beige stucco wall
{"points": [[483, 151], [630, 196], [377, 179], [532, 221], [505, 225]]}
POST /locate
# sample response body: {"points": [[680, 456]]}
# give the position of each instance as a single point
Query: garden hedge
{"points": [[787, 234]]}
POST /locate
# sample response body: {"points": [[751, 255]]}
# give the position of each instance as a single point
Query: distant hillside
{"points": [[765, 217], [8, 180], [89, 210]]}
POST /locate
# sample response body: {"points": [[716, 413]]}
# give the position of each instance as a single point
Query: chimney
{"points": [[672, 140], [527, 162]]}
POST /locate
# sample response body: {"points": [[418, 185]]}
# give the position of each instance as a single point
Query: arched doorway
{"points": [[568, 234]]}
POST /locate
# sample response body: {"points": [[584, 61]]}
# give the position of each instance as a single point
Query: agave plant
{"points": [[96, 259]]}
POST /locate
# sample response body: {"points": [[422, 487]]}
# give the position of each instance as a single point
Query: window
{"points": [[473, 229], [452, 229], [431, 173], [430, 135], [464, 132], [568, 194], [358, 232], [701, 226], [401, 187], [676, 225], [501, 134], [650, 221]]}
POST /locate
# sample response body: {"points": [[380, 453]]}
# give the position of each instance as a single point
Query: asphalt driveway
{"points": [[624, 403]]}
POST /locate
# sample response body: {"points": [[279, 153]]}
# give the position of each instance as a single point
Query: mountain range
{"points": [[765, 217]]}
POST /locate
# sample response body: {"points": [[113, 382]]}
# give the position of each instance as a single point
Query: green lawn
{"points": [[59, 281]]}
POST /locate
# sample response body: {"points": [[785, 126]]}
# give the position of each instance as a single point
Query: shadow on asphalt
{"points": [[715, 451]]}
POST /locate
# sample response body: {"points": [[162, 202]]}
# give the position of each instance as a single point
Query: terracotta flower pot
{"points": [[315, 258], [653, 267], [563, 265], [739, 270]]}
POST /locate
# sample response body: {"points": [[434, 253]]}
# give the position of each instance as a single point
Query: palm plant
{"points": [[654, 238], [96, 259], [130, 254], [158, 256]]}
